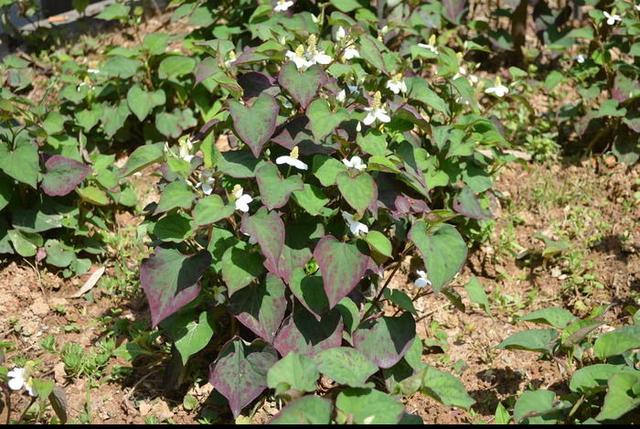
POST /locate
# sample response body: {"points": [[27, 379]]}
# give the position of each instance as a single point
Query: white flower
{"points": [[206, 182], [353, 89], [397, 84], [422, 279], [93, 71], [357, 228], [579, 58], [185, 147], [292, 160], [499, 90], [242, 199], [349, 53], [359, 126], [612, 19], [305, 58], [376, 111], [431, 45], [355, 163], [282, 5], [637, 7], [19, 378], [340, 33], [342, 95]]}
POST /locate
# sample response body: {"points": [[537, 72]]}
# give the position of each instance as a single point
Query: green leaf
{"points": [[618, 401], [58, 254], [445, 388], [175, 66], [210, 210], [93, 195], [114, 11], [368, 406], [239, 268], [175, 123], [443, 250], [327, 169], [89, 118], [114, 117], [419, 90], [359, 190], [302, 86], [190, 335], [533, 407], [22, 164], [346, 6], [142, 157], [6, 191], [313, 200], [274, 190], [467, 204], [617, 342], [536, 340], [322, 120], [557, 317], [155, 43], [175, 194], [120, 66], [54, 123], [345, 365], [502, 416], [293, 372], [174, 227], [142, 102], [594, 378], [306, 410], [267, 229], [400, 299], [477, 295], [379, 243], [370, 51], [25, 243]]}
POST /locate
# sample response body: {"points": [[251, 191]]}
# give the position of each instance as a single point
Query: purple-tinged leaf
{"points": [[296, 132], [454, 10], [386, 340], [267, 229], [468, 205], [63, 175], [302, 86], [205, 69], [392, 196], [342, 266], [274, 189], [300, 239], [303, 334], [240, 372], [255, 83], [170, 280], [255, 124], [359, 190], [261, 308]]}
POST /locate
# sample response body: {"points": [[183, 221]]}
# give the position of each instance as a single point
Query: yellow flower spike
{"points": [[432, 40], [232, 55], [498, 81], [300, 50], [294, 153], [377, 100], [398, 77], [311, 43]]}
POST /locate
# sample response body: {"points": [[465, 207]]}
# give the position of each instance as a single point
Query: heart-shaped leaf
{"points": [[443, 251], [466, 203], [345, 365], [142, 102], [386, 340], [255, 125], [240, 372], [293, 372], [303, 334], [170, 280], [302, 86], [342, 266], [267, 229], [322, 120], [22, 163], [309, 291], [210, 210], [307, 410], [63, 175], [239, 268], [369, 406], [275, 190], [359, 190], [261, 308]]}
